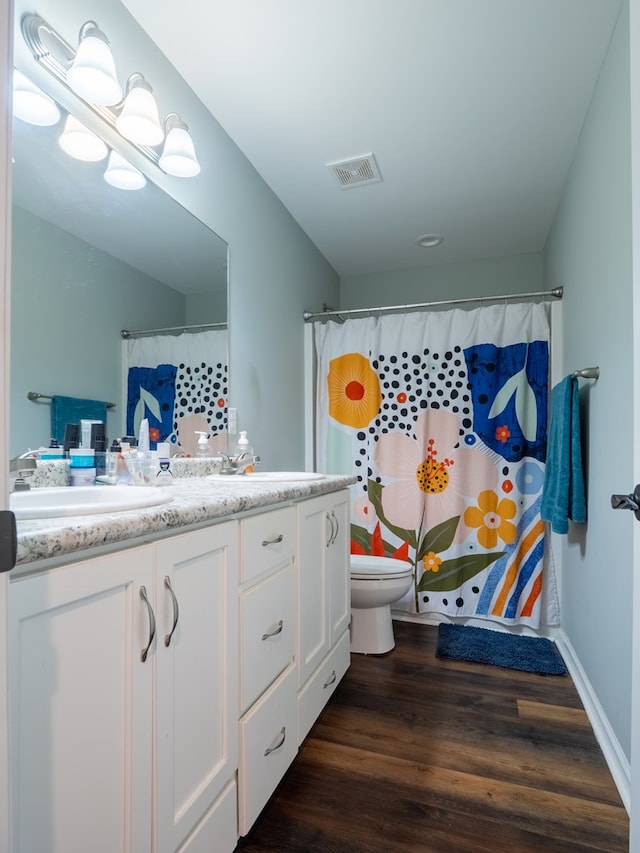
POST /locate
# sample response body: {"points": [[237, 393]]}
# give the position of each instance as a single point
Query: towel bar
{"points": [[32, 395], [587, 373]]}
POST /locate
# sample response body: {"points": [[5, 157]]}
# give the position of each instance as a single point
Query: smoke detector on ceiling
{"points": [[354, 173]]}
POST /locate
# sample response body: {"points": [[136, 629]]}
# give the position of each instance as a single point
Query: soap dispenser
{"points": [[243, 446], [203, 450]]}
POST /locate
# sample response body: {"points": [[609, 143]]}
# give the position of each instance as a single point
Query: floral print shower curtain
{"points": [[442, 418]]}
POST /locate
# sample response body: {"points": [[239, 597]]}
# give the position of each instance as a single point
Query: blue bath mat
{"points": [[481, 645]]}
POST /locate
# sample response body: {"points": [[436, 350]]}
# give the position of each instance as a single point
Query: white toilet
{"points": [[375, 583]]}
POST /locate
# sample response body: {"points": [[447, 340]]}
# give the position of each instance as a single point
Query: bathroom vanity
{"points": [[166, 663]]}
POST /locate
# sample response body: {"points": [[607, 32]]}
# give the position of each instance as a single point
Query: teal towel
{"points": [[71, 410], [563, 494]]}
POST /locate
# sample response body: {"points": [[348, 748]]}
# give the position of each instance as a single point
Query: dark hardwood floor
{"points": [[415, 753]]}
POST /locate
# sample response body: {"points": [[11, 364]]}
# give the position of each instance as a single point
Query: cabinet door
{"points": [[337, 568], [81, 715], [315, 532], [196, 700], [324, 581]]}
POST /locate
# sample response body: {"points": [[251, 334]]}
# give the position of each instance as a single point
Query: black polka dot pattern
{"points": [[202, 389], [411, 383]]}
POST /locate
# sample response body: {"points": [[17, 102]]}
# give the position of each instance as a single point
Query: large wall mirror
{"points": [[89, 260]]}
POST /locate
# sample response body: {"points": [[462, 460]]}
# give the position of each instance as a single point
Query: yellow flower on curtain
{"points": [[354, 390], [491, 518]]}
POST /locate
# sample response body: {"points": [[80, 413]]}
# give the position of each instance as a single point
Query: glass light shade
{"points": [[178, 155], [120, 173], [31, 104], [79, 142], [139, 121], [93, 72]]}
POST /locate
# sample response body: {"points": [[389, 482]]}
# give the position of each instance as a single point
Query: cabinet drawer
{"points": [[267, 541], [267, 633], [268, 744], [319, 688]]}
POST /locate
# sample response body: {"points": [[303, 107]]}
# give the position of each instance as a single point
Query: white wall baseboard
{"points": [[617, 761]]}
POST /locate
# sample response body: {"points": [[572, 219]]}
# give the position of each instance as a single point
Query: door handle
{"points": [[631, 501]]}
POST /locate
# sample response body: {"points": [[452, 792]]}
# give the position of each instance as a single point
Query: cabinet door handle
{"points": [[152, 623], [331, 680], [277, 630], [176, 610], [331, 533], [274, 541], [334, 517], [281, 739]]}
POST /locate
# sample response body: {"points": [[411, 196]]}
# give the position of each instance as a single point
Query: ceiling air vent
{"points": [[354, 173]]}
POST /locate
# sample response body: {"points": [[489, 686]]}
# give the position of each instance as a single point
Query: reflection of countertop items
{"points": [[196, 501]]}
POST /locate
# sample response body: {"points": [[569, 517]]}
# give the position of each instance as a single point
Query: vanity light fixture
{"points": [[139, 120], [178, 155], [136, 118], [31, 104], [92, 74], [79, 142], [122, 175]]}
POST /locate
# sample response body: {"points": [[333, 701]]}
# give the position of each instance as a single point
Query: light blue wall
{"points": [[69, 303], [486, 277], [589, 252]]}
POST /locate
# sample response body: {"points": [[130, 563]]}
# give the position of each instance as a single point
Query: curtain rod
{"points": [[556, 293], [143, 333]]}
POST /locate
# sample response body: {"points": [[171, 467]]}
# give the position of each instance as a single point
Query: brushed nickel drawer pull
{"points": [[277, 630], [275, 541], [176, 611], [331, 680], [281, 739], [152, 624]]}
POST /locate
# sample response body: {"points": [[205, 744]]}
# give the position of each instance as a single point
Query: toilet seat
{"points": [[364, 567]]}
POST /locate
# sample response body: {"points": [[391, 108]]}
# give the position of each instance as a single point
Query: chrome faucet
{"points": [[20, 470], [237, 464]]}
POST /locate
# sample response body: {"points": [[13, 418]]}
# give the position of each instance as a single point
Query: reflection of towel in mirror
{"points": [[71, 410], [563, 495]]}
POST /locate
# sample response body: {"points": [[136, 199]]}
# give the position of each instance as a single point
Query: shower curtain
{"points": [[442, 418], [178, 382]]}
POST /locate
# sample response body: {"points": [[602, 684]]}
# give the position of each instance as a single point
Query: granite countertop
{"points": [[194, 501]]}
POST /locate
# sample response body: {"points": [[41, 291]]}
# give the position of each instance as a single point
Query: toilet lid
{"points": [[365, 567]]}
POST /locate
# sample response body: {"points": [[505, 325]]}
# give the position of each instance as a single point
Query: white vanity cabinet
{"points": [[324, 602], [268, 628], [125, 741], [160, 692]]}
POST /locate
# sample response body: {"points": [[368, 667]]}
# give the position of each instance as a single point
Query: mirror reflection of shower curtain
{"points": [[180, 383], [442, 417]]}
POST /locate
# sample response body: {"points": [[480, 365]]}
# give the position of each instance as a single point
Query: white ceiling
{"points": [[472, 108]]}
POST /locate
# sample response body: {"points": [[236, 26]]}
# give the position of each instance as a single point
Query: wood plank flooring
{"points": [[414, 753]]}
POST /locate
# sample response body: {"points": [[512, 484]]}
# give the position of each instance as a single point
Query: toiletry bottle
{"points": [[243, 447], [114, 468], [203, 450], [82, 468], [164, 477], [144, 453]]}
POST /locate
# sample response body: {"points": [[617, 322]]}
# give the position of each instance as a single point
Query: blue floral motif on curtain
{"points": [[151, 394]]}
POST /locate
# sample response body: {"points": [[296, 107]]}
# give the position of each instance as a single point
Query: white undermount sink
{"points": [[269, 477], [84, 500]]}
